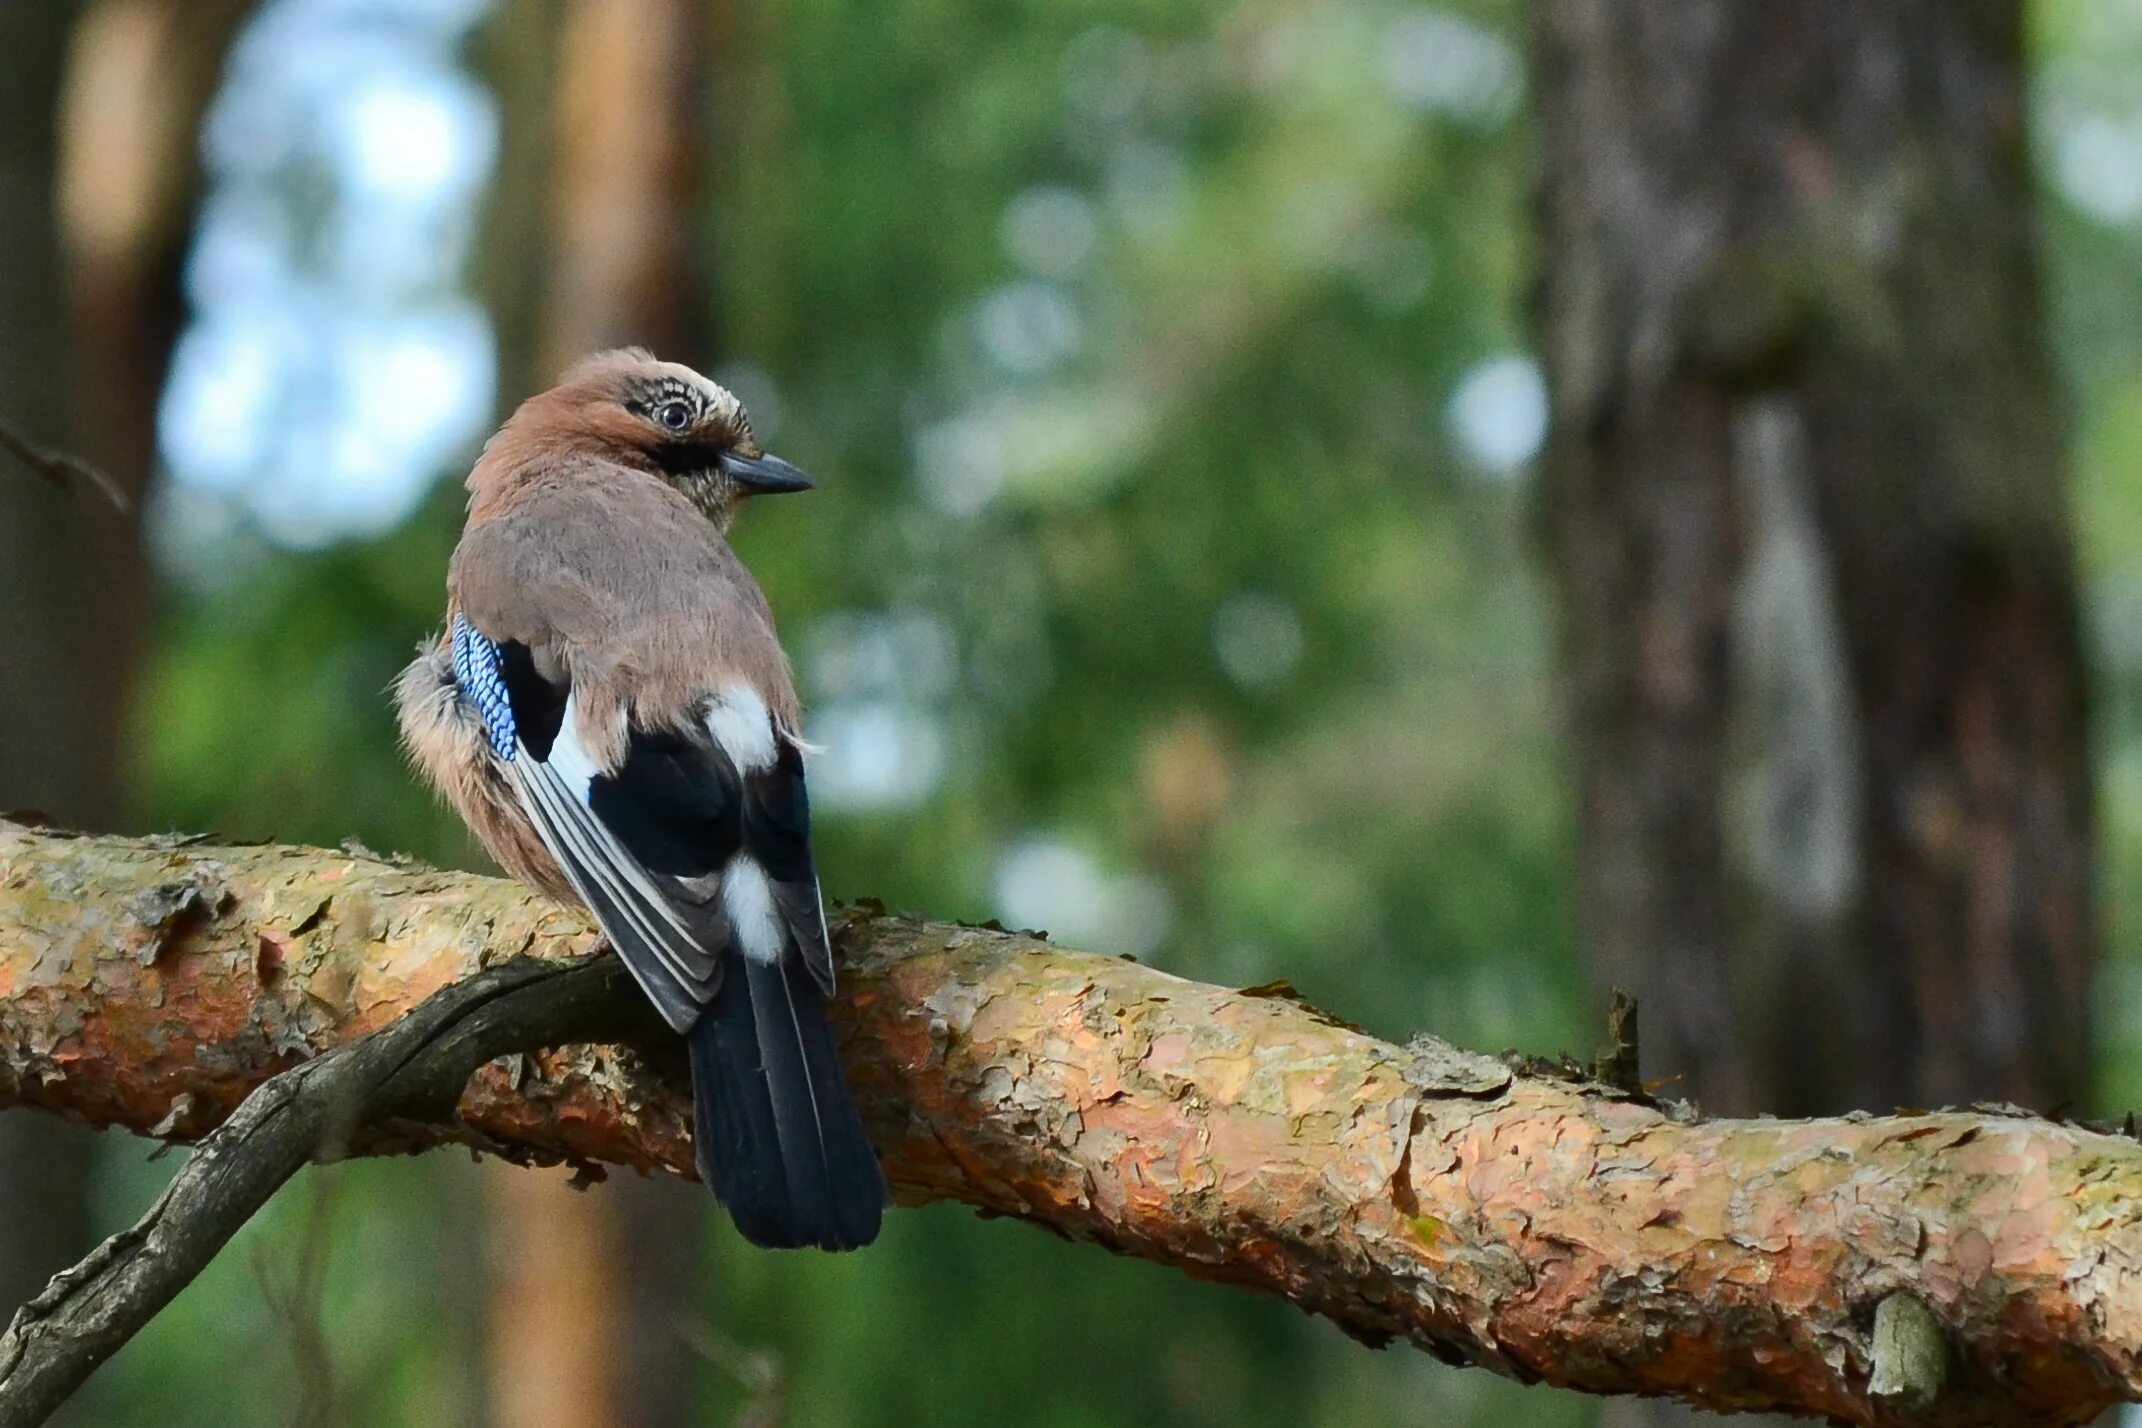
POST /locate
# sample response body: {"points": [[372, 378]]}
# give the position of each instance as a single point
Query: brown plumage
{"points": [[446, 741], [611, 712], [613, 579]]}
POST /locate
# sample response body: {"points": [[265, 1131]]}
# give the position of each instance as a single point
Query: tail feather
{"points": [[778, 1137]]}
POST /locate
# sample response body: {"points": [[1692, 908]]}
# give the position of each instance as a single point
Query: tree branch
{"points": [[1941, 1269], [416, 1065]]}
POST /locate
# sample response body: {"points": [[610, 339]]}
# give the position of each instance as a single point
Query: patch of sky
{"points": [[335, 367]]}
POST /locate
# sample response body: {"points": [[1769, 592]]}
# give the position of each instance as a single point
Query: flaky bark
{"points": [[1543, 1227]]}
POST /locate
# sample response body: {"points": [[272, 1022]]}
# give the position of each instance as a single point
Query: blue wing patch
{"points": [[480, 672]]}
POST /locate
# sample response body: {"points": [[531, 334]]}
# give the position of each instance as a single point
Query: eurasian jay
{"points": [[611, 712]]}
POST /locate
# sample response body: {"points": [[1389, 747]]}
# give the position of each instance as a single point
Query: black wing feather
{"points": [[674, 802], [538, 705], [673, 954], [776, 1130], [777, 833]]}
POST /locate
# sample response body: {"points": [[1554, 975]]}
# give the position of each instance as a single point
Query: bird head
{"points": [[662, 418]]}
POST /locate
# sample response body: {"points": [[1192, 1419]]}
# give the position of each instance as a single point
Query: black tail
{"points": [[778, 1137]]}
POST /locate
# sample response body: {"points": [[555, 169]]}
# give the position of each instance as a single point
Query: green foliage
{"points": [[2086, 59]]}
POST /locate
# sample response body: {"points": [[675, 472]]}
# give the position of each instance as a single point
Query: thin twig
{"points": [[299, 1302], [62, 470], [760, 1372]]}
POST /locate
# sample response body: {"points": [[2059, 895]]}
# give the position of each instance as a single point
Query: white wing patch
{"points": [[568, 756], [747, 897], [741, 725]]}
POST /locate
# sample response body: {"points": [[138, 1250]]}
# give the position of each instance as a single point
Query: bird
{"points": [[610, 710]]}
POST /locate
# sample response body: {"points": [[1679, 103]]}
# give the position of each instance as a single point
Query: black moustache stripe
{"points": [[688, 457]]}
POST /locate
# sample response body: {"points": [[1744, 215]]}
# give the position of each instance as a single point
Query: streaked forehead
{"points": [[632, 373], [683, 380]]}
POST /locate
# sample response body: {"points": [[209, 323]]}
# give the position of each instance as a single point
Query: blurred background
{"points": [[1454, 503]]}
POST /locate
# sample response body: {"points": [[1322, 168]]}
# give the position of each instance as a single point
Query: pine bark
{"points": [[1931, 1269]]}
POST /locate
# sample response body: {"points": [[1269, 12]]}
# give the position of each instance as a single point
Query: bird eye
{"points": [[673, 416]]}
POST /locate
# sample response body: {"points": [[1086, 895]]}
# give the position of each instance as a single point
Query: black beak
{"points": [[763, 475]]}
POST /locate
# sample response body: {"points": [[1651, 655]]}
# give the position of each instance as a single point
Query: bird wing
{"points": [[643, 845]]}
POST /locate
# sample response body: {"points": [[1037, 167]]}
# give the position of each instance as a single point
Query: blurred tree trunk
{"points": [[49, 755], [1807, 508], [140, 78], [99, 105], [593, 1290], [625, 184]]}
